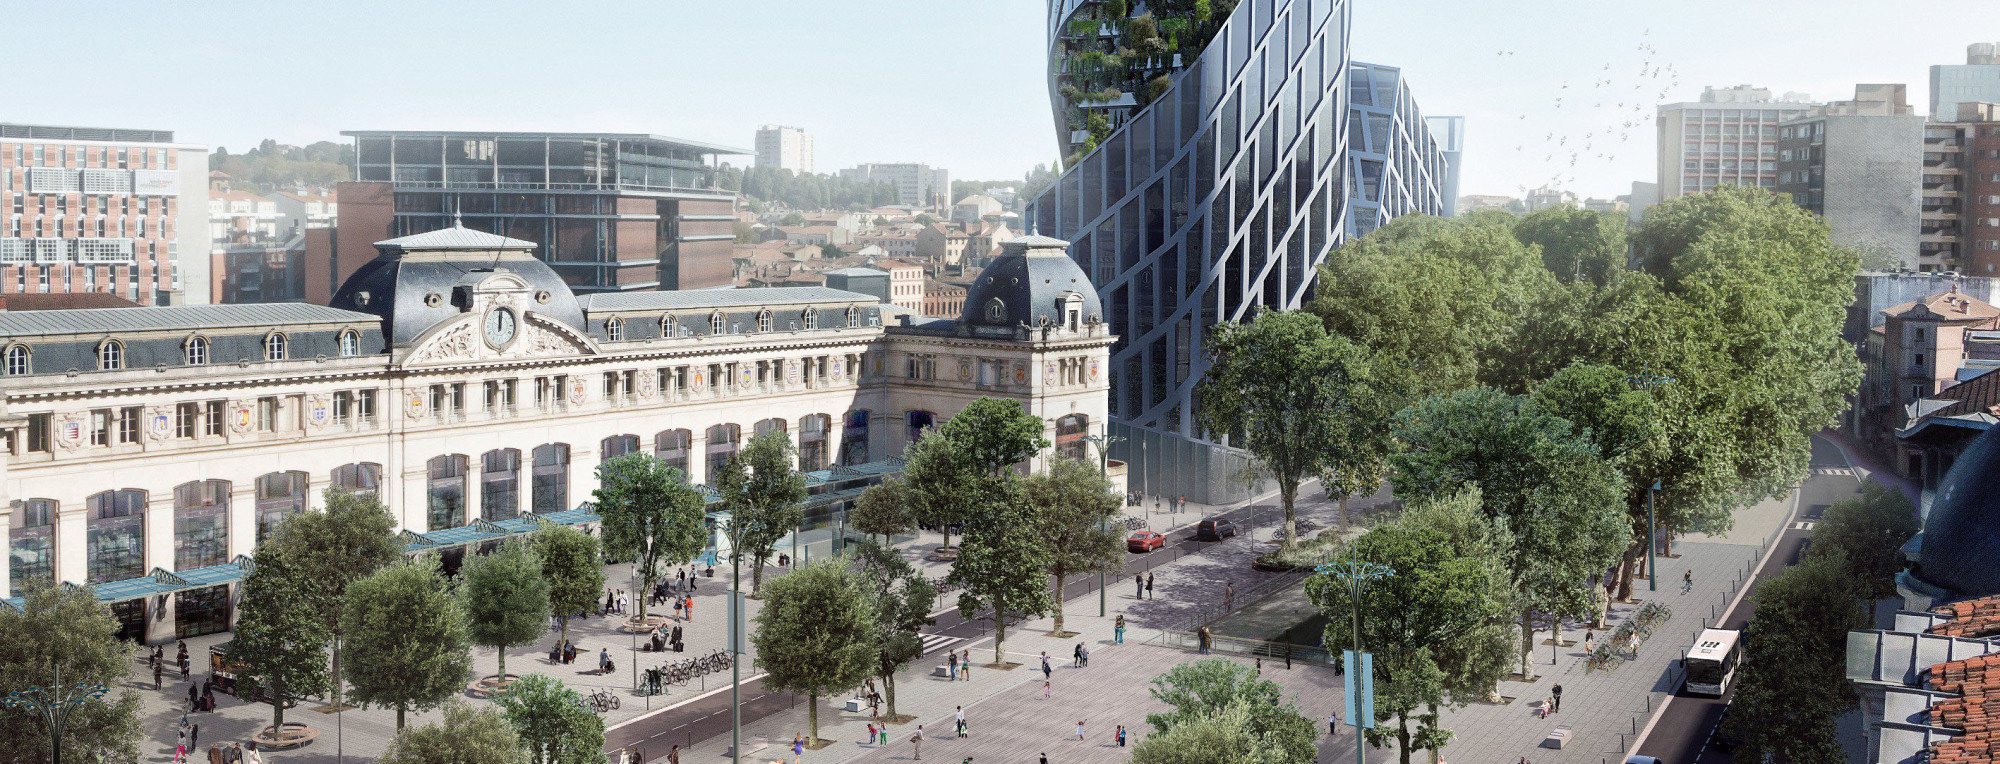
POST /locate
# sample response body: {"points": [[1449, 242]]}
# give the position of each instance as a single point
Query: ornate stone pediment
{"points": [[460, 341]]}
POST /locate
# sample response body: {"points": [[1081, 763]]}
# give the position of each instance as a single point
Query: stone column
{"points": [[159, 554], [242, 518], [72, 542]]}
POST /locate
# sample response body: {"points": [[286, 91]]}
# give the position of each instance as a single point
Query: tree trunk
{"points": [[889, 691], [503, 664], [1346, 521], [757, 572], [999, 631], [1059, 571], [1528, 643], [812, 718], [1625, 571], [1288, 491], [645, 592], [947, 535], [1403, 737], [399, 717], [1436, 755], [277, 690], [1555, 650]]}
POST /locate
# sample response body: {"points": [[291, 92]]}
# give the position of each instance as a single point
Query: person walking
{"points": [[884, 731], [1687, 582], [870, 739], [1079, 730], [1120, 736], [251, 756], [961, 721], [1046, 670], [917, 744], [1201, 639], [1076, 656], [1118, 630], [1045, 689], [798, 747], [156, 675], [1557, 692], [181, 742], [690, 608], [952, 664], [194, 736], [965, 666], [1149, 585], [674, 754], [1260, 665], [1228, 595], [1138, 586]]}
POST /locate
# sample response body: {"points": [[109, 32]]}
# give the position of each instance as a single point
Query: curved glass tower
{"points": [[1209, 174]]}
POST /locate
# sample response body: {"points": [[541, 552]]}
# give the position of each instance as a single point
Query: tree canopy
{"points": [[65, 628], [574, 570], [1072, 505], [467, 735], [903, 601], [552, 722], [505, 598], [407, 632], [651, 516], [1869, 533], [816, 633], [882, 510], [1000, 570], [765, 498], [1793, 680], [1576, 244], [1219, 711]]}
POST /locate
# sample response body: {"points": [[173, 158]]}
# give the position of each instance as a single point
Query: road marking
{"points": [[1803, 525], [935, 641], [1848, 471]]}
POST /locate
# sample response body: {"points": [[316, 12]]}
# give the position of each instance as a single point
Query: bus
{"points": [[1711, 663]]}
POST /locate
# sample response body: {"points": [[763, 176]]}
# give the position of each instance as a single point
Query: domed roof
{"points": [[1029, 283], [1962, 534], [412, 284]]}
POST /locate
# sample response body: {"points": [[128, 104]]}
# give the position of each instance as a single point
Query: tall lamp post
{"points": [[1103, 442], [1360, 665], [1648, 382], [54, 704], [735, 632]]}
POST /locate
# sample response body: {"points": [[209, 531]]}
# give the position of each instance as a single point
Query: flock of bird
{"points": [[1616, 107]]}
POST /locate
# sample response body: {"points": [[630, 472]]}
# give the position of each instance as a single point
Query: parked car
{"points": [[1638, 759], [1214, 529], [1144, 541]]}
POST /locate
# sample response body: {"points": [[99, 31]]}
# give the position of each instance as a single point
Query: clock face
{"points": [[499, 327]]}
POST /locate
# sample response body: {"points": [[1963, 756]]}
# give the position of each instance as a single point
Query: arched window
{"points": [[110, 355], [769, 425], [810, 318], [614, 329], [854, 438], [279, 495], [446, 492], [853, 317], [196, 352], [350, 343], [500, 484], [996, 311], [617, 446], [717, 324], [672, 447], [116, 526], [274, 347], [670, 326], [18, 361], [551, 478], [812, 441], [359, 478], [915, 423], [722, 442], [764, 321], [1069, 436], [201, 524], [31, 537]]}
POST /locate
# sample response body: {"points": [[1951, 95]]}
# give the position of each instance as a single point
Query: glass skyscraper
{"points": [[1213, 164]]}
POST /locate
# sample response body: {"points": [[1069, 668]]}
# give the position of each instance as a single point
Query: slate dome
{"points": [[411, 283], [1961, 537], [1032, 281]]}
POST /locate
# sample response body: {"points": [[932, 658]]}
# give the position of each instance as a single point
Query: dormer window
{"points": [[670, 326], [764, 321], [614, 329], [110, 355], [811, 318], [996, 311], [350, 343], [17, 361], [274, 347], [853, 317], [1072, 311], [716, 324], [196, 352]]}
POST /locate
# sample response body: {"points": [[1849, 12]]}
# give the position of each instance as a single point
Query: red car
{"points": [[1145, 541]]}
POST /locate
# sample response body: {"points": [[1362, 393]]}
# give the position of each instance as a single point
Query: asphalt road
{"points": [[709, 717], [1685, 731]]}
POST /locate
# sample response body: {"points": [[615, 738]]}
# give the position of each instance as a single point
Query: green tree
{"points": [[66, 628], [792, 218], [352, 537], [506, 599], [995, 434], [651, 516], [1562, 503], [765, 498], [940, 484], [1576, 244], [816, 633], [1869, 532], [1793, 679], [1000, 568], [574, 569], [1259, 725], [1471, 666], [1298, 399], [882, 510], [1072, 505], [903, 600], [408, 633], [552, 722], [280, 634], [467, 735], [1435, 598]]}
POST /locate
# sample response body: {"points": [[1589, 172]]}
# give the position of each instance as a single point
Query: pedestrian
{"points": [[1086, 657], [251, 756], [798, 747], [194, 736], [871, 734], [156, 675], [884, 730], [1149, 585], [690, 608], [1045, 689], [1332, 724], [952, 664], [608, 602], [917, 744], [621, 602], [1687, 582], [1228, 594], [1558, 694], [674, 754], [180, 743], [1180, 503], [1046, 671], [1076, 656], [965, 666], [1201, 639], [1138, 586], [192, 696], [1079, 729], [1260, 665], [961, 721], [1121, 736], [1118, 630]]}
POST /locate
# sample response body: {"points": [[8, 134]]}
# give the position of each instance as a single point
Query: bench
{"points": [[751, 745], [943, 671], [854, 704], [1557, 739]]}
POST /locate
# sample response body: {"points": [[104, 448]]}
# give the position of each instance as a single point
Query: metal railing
{"points": [[1253, 648]]}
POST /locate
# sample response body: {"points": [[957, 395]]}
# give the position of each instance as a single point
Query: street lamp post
{"points": [[54, 704], [1103, 472], [1356, 575], [1647, 382], [736, 617]]}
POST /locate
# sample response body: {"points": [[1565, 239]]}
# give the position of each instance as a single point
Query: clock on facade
{"points": [[499, 327]]}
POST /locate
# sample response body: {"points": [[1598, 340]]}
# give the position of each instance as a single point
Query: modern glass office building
{"points": [[1205, 190]]}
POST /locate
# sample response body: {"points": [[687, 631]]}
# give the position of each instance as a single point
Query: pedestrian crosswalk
{"points": [[1803, 525], [933, 642], [1833, 471]]}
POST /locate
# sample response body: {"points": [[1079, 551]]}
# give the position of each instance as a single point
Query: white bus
{"points": [[1711, 663]]}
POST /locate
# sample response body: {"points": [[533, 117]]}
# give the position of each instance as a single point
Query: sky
{"points": [[952, 83]]}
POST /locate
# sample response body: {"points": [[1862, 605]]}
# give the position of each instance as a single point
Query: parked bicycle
{"points": [[601, 701]]}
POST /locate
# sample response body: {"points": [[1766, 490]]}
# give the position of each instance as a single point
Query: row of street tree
{"points": [[1523, 384]]}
